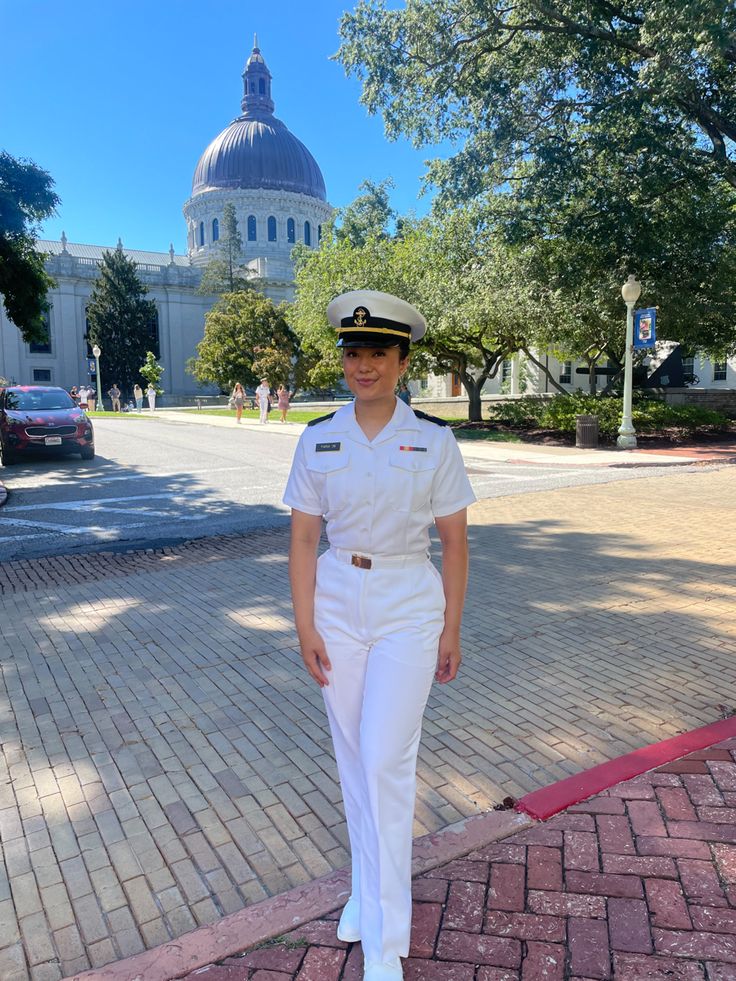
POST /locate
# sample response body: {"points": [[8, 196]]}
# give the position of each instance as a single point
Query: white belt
{"points": [[378, 561]]}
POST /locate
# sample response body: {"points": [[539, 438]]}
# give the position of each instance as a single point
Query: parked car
{"points": [[38, 417]]}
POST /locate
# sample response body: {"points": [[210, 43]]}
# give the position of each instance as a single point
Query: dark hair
{"points": [[403, 350]]}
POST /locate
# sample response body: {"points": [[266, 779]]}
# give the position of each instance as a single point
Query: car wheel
{"points": [[9, 458], [88, 453]]}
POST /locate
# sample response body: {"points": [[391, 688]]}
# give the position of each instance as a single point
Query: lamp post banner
{"points": [[645, 327], [91, 365]]}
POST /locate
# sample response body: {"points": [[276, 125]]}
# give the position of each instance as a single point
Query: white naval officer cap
{"points": [[369, 318]]}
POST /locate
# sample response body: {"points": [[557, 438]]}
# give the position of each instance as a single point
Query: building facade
{"points": [[279, 195]]}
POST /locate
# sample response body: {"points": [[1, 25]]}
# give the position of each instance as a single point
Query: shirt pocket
{"points": [[411, 476], [331, 473]]}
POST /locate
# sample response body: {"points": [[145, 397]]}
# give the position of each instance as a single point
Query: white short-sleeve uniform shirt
{"points": [[378, 497]]}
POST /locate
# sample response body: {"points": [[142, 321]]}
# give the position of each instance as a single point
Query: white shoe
{"points": [[348, 929], [386, 971]]}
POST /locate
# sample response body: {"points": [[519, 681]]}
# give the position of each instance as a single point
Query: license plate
{"points": [[53, 441]]}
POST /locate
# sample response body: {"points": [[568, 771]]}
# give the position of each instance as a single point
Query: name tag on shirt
{"points": [[327, 447], [414, 449]]}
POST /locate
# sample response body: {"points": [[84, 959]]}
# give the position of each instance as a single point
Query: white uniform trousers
{"points": [[263, 407], [381, 629]]}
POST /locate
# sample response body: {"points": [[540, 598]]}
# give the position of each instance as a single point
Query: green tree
{"points": [[26, 198], [246, 337], [369, 215], [151, 370], [549, 84], [224, 273], [121, 319], [477, 299]]}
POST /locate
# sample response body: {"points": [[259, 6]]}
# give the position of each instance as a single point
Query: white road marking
{"points": [[63, 529], [148, 513], [82, 504]]}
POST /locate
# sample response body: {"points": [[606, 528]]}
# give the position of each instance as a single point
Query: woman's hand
{"points": [[315, 656], [449, 656]]}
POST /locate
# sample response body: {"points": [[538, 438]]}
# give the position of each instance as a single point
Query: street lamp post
{"points": [[96, 350], [630, 291]]}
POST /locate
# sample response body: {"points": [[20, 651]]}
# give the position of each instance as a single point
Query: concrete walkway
{"points": [[164, 762]]}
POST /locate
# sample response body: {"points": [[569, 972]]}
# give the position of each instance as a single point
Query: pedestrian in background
{"points": [[151, 393], [283, 395], [404, 393], [237, 400], [263, 398], [376, 621], [83, 396], [138, 396], [74, 392], [114, 394]]}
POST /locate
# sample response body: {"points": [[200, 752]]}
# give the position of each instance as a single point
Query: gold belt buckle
{"points": [[360, 561]]}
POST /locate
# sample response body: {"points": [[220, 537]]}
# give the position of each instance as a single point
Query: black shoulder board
{"points": [[423, 415], [314, 422]]}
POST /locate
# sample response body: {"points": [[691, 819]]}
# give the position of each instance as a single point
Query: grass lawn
{"points": [[293, 415]]}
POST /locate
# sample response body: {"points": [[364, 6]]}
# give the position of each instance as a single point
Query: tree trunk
{"points": [[546, 371], [592, 381], [473, 387]]}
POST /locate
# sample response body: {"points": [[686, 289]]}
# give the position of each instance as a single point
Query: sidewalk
{"points": [[637, 883], [164, 762]]}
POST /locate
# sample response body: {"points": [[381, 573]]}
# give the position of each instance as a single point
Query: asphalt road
{"points": [[156, 480]]}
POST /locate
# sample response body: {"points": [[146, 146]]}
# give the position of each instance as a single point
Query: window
{"points": [[153, 335], [307, 233], [42, 346], [424, 383], [566, 373], [42, 374], [506, 371], [291, 231], [252, 228], [201, 233], [261, 86], [319, 233], [688, 370], [215, 229], [272, 229], [720, 370]]}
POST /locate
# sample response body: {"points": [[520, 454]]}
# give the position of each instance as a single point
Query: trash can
{"points": [[586, 432]]}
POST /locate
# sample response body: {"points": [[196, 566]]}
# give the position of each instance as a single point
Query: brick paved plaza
{"points": [[637, 883], [165, 762]]}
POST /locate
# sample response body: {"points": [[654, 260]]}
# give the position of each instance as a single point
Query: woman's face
{"points": [[371, 373]]}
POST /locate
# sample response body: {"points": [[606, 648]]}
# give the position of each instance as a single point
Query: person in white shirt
{"points": [[263, 398], [377, 623], [151, 393]]}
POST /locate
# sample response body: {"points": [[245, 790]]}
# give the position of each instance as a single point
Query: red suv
{"points": [[35, 417]]}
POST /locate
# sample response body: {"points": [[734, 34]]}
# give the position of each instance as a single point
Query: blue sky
{"points": [[118, 100]]}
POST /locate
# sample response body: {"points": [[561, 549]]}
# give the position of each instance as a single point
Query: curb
{"points": [[282, 914], [542, 804], [3, 494]]}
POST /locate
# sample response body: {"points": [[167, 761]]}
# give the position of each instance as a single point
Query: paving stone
{"points": [[667, 904], [546, 666]]}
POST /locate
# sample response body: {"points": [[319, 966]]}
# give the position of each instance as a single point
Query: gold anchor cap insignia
{"points": [[360, 316]]}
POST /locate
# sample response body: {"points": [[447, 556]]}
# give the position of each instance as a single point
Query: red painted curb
{"points": [[542, 804]]}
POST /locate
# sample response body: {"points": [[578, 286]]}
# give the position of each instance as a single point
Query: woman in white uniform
{"points": [[376, 621]]}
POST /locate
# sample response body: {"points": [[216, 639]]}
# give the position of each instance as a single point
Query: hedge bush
{"points": [[558, 412]]}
